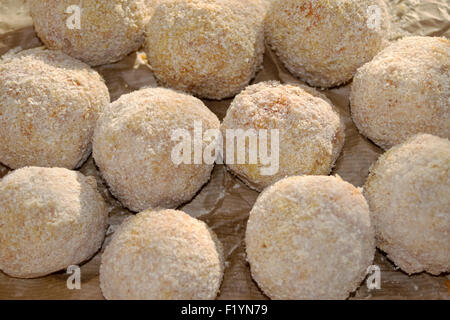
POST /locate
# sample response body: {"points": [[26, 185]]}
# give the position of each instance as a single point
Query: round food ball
{"points": [[134, 143], [310, 237], [162, 255], [50, 218], [324, 42], [49, 104], [403, 91], [408, 191], [96, 32], [311, 132], [210, 48]]}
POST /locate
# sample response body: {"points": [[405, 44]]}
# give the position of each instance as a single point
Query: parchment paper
{"points": [[224, 203]]}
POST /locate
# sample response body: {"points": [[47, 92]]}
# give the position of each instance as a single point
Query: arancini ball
{"points": [[403, 91], [49, 104], [50, 218], [311, 133], [162, 255], [324, 42], [408, 191], [134, 143], [100, 32], [210, 48], [310, 237]]}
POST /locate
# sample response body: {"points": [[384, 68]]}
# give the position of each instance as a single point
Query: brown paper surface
{"points": [[224, 203]]}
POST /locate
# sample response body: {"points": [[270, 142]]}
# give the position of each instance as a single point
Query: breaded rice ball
{"points": [[162, 255], [408, 191], [403, 91], [210, 48], [49, 104], [50, 218], [108, 30], [310, 237], [324, 42], [311, 132], [133, 145]]}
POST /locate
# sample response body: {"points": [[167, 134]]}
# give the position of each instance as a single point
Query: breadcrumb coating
{"points": [[310, 237], [210, 48], [311, 132], [50, 218], [403, 91], [133, 144], [408, 191], [109, 29], [49, 104], [324, 42], [162, 255]]}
